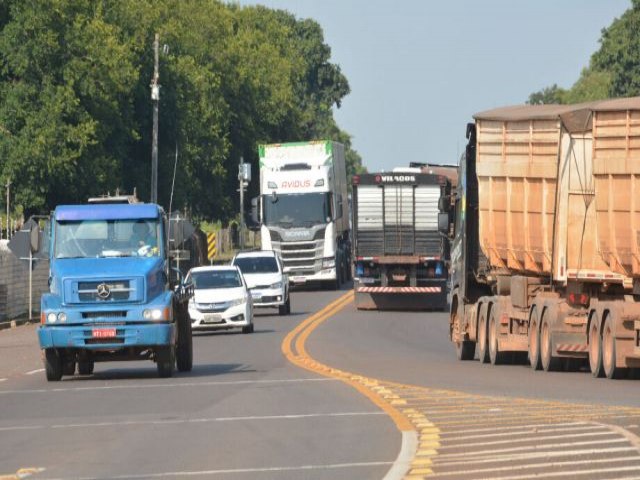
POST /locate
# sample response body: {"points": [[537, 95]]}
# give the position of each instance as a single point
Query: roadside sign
{"points": [[27, 242]]}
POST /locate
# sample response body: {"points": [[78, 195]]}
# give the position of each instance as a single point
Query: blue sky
{"points": [[419, 69]]}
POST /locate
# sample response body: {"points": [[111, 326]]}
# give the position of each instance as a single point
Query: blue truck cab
{"points": [[110, 296]]}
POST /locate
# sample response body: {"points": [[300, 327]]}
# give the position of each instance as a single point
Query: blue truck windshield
{"points": [[106, 238], [297, 210]]}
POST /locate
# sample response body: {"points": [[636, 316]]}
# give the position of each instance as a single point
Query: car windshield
{"points": [[107, 238], [250, 265], [216, 279]]}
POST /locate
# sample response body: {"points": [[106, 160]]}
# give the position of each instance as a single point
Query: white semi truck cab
{"points": [[303, 210]]}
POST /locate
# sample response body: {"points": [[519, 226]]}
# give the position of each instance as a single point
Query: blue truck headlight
{"points": [[62, 317], [157, 314], [52, 317]]}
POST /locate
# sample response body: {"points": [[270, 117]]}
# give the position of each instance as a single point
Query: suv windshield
{"points": [[107, 238], [250, 265], [216, 279]]}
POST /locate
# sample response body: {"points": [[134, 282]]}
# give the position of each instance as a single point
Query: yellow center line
{"points": [[370, 388]]}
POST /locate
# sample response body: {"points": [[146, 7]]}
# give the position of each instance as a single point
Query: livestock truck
{"points": [[399, 253], [303, 210], [545, 259], [111, 296]]}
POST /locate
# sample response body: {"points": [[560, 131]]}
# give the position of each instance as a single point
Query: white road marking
{"points": [[536, 437], [138, 386], [32, 372], [538, 448], [536, 455], [449, 432], [522, 431], [3, 379], [300, 468], [572, 473], [554, 465], [402, 464], [192, 420]]}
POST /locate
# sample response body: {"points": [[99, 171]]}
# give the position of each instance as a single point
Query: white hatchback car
{"points": [[268, 284], [221, 299]]}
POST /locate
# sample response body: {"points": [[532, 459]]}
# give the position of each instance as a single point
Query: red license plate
{"points": [[104, 333]]}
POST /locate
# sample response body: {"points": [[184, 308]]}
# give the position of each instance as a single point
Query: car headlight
{"points": [[329, 262], [52, 318], [237, 301], [276, 285]]}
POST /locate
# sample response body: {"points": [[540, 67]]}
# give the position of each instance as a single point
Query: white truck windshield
{"points": [[297, 210]]}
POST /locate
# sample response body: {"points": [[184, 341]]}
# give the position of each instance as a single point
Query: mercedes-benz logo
{"points": [[103, 291]]}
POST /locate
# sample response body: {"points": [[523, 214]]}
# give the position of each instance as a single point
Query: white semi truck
{"points": [[303, 210]]}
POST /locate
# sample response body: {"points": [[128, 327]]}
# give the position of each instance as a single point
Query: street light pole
{"points": [[241, 179], [155, 98]]}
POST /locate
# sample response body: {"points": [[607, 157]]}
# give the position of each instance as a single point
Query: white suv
{"points": [[264, 273]]}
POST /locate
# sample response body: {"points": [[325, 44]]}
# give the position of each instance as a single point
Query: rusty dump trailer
{"points": [[545, 258]]}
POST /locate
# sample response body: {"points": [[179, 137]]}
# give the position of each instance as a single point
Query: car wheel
{"points": [[286, 308], [248, 328]]}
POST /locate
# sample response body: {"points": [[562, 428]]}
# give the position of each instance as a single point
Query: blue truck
{"points": [[113, 295]]}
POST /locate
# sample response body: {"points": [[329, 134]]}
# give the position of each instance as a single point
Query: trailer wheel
{"points": [[52, 365], [465, 349], [595, 349], [534, 340], [483, 352], [609, 350], [549, 362], [496, 357], [165, 360]]}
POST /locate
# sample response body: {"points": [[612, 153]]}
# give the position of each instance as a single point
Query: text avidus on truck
{"points": [[111, 295], [303, 210], [399, 253], [545, 261]]}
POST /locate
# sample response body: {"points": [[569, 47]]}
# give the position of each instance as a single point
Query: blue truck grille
{"points": [[104, 291]]}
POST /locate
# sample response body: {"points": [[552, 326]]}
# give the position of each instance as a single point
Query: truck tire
{"points": [[85, 367], [68, 367], [548, 361], [184, 350], [52, 365], [483, 352], [595, 348], [534, 339], [165, 360], [496, 357], [609, 350]]}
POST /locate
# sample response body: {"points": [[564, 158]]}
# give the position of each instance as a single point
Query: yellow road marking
{"points": [[432, 413]]}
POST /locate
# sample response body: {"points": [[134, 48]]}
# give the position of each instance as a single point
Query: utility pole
{"points": [[8, 198], [155, 98]]}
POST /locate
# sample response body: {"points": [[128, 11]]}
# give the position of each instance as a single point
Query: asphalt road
{"points": [[248, 409]]}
